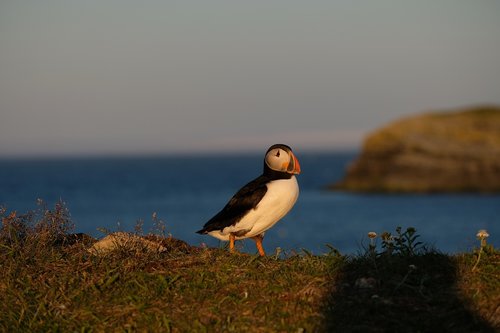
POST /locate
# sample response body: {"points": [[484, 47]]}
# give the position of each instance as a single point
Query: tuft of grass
{"points": [[49, 282]]}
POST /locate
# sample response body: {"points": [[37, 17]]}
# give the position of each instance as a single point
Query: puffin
{"points": [[261, 203]]}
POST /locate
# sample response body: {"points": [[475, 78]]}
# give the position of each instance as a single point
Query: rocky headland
{"points": [[456, 151]]}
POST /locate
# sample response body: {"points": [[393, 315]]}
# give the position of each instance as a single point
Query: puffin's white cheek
{"points": [[277, 160], [276, 164]]}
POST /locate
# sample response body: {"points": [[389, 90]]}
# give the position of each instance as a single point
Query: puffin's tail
{"points": [[202, 231]]}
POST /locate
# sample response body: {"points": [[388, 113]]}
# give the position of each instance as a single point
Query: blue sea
{"points": [[186, 191]]}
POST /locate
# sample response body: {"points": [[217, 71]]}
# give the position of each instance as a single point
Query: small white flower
{"points": [[412, 267], [365, 283], [482, 234], [372, 234]]}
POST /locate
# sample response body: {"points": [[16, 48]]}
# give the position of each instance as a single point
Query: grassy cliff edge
{"points": [[50, 282]]}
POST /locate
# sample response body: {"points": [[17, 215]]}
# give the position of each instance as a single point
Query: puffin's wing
{"points": [[247, 198]]}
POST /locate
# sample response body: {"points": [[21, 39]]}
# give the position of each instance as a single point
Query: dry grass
{"points": [[49, 282]]}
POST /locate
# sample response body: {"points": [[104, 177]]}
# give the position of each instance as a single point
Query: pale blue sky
{"points": [[128, 77]]}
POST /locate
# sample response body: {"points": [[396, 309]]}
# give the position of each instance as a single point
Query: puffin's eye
{"points": [[278, 154]]}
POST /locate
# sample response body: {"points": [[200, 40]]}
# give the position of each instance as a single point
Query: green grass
{"points": [[50, 283]]}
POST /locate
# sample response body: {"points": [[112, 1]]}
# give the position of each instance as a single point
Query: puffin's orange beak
{"points": [[293, 166]]}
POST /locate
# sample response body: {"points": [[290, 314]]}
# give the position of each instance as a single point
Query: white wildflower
{"points": [[482, 234]]}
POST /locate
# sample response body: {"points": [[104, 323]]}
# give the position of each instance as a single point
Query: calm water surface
{"points": [[186, 191]]}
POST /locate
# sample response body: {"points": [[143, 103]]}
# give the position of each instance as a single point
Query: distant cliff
{"points": [[433, 152]]}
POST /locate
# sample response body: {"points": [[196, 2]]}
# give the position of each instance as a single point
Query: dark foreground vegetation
{"points": [[50, 282]]}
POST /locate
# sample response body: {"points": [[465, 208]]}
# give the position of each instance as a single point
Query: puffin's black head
{"points": [[280, 158]]}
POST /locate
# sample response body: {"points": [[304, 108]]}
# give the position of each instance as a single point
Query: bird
{"points": [[261, 203]]}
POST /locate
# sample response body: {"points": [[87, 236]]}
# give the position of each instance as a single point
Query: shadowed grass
{"points": [[428, 292], [49, 282]]}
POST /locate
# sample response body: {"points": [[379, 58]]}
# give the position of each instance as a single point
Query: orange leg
{"points": [[258, 243], [231, 242]]}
